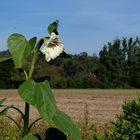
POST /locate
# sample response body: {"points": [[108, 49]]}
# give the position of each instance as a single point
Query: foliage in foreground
{"points": [[36, 93], [127, 125]]}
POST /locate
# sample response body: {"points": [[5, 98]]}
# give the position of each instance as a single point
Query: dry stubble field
{"points": [[97, 106]]}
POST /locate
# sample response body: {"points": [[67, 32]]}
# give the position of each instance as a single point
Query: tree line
{"points": [[116, 66]]}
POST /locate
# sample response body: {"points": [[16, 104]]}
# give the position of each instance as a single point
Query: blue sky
{"points": [[84, 25]]}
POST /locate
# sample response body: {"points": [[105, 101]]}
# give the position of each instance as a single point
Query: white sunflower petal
{"points": [[52, 47], [57, 51], [47, 58], [44, 49], [52, 54], [53, 37]]}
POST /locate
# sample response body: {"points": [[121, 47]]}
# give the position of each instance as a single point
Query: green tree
{"points": [[119, 63]]}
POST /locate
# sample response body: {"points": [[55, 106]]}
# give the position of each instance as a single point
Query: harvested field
{"points": [[98, 106]]}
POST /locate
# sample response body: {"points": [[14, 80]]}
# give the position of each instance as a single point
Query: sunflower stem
{"points": [[27, 106]]}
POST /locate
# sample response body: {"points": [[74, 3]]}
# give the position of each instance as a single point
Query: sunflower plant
{"points": [[37, 94]]}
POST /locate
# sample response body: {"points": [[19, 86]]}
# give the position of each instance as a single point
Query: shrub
{"points": [[127, 125]]}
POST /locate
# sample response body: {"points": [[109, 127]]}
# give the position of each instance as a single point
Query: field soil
{"points": [[95, 106]]}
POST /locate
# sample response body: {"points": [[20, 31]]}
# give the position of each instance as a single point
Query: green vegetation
{"points": [[127, 125], [7, 130], [24, 54], [117, 66]]}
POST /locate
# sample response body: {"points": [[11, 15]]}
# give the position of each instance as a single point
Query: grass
{"points": [[8, 131]]}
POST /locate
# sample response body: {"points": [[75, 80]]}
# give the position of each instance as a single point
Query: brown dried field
{"points": [[96, 106]]}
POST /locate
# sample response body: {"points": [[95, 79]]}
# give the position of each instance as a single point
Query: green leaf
{"points": [[3, 58], [30, 137], [40, 96], [32, 42], [4, 111], [65, 124], [53, 27], [19, 48], [2, 101]]}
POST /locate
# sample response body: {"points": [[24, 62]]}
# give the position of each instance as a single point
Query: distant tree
{"points": [[117, 66], [6, 74], [119, 63]]}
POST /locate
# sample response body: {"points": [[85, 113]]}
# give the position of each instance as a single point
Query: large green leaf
{"points": [[3, 58], [30, 137], [65, 123], [19, 48], [53, 27], [40, 96]]}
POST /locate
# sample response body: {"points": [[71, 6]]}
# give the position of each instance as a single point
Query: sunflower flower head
{"points": [[52, 47]]}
